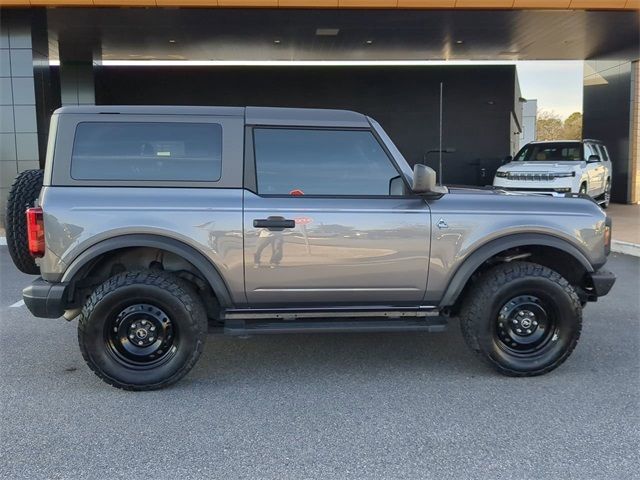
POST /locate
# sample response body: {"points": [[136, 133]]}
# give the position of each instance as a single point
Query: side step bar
{"points": [[273, 326], [331, 312]]}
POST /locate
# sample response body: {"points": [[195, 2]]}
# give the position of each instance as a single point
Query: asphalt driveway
{"points": [[362, 406]]}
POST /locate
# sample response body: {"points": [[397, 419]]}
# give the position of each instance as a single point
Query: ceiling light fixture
{"points": [[327, 32], [172, 41], [368, 42], [277, 42], [459, 42]]}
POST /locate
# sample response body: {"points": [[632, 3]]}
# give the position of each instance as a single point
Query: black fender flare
{"points": [[189, 253], [488, 250]]}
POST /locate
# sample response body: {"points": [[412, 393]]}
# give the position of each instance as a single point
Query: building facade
{"points": [[373, 56]]}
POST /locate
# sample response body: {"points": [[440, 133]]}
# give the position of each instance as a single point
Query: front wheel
{"points": [[142, 330], [606, 197], [521, 318], [583, 189]]}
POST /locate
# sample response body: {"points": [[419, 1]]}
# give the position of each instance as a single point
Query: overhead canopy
{"points": [[488, 4], [332, 34]]}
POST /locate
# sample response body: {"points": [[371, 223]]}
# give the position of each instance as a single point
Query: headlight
{"points": [[564, 174], [502, 174]]}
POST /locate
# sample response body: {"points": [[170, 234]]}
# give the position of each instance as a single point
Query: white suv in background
{"points": [[558, 167]]}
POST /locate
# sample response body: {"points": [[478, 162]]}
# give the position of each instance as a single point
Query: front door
{"points": [[329, 223], [594, 171]]}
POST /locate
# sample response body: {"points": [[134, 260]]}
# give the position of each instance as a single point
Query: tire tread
{"points": [[22, 195], [485, 288], [166, 281]]}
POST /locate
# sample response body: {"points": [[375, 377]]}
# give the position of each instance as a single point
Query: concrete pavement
{"points": [[374, 406]]}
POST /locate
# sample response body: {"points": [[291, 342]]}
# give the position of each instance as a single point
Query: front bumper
{"points": [[45, 299], [601, 282]]}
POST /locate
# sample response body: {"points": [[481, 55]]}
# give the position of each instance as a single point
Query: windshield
{"points": [[550, 152]]}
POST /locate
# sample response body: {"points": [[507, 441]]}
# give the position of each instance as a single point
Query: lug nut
{"points": [[535, 323], [515, 321], [518, 330], [528, 330], [153, 329], [140, 343], [131, 337]]}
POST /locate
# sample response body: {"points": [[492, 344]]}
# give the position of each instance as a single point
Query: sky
{"points": [[556, 84]]}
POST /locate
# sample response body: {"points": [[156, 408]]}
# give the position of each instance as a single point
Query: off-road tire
{"points": [[157, 288], [24, 192], [479, 316]]}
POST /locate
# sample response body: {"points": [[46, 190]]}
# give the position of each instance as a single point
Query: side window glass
{"points": [[170, 151], [589, 150], [322, 162], [604, 155]]}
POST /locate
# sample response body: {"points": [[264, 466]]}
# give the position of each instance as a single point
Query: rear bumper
{"points": [[602, 281], [45, 299]]}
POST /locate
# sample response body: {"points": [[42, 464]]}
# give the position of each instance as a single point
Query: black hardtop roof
{"points": [[252, 115]]}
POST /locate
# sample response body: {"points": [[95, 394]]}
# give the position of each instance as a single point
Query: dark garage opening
{"points": [[481, 104]]}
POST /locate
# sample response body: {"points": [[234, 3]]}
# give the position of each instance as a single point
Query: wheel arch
{"points": [[176, 247], [528, 242]]}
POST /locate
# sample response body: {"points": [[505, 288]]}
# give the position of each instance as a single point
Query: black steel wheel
{"points": [[522, 318], [141, 336], [526, 324], [142, 330]]}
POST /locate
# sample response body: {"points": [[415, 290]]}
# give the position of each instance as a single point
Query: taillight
{"points": [[35, 231]]}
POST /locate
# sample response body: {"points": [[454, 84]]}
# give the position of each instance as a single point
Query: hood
{"points": [[488, 190], [493, 191], [540, 166]]}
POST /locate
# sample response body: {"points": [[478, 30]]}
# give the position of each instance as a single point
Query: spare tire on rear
{"points": [[23, 194]]}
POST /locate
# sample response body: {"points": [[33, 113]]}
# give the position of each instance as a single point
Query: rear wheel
{"points": [[142, 330], [23, 194], [521, 318]]}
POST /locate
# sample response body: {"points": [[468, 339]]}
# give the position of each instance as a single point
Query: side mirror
{"points": [[507, 159], [424, 181], [593, 158]]}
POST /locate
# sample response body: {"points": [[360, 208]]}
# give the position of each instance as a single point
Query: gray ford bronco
{"points": [[154, 224]]}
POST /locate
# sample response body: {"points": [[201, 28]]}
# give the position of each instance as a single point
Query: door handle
{"points": [[275, 224]]}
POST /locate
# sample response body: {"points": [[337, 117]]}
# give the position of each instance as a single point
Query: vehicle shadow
{"points": [[299, 357]]}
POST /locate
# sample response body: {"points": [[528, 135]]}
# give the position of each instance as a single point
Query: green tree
{"points": [[572, 128], [549, 126]]}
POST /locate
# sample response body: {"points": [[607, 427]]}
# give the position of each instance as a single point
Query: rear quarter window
{"points": [[152, 151]]}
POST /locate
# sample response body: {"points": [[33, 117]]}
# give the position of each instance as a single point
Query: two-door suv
{"points": [[154, 223]]}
